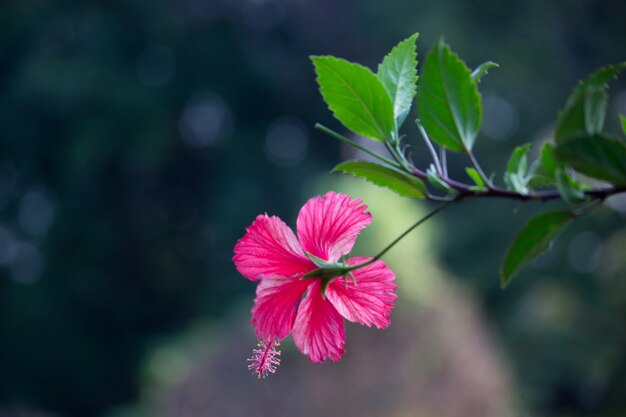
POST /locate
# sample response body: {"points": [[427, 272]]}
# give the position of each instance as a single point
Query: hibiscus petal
{"points": [[328, 226], [370, 301], [318, 330], [275, 306], [270, 247]]}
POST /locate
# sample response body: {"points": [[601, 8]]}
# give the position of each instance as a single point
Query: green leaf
{"points": [[399, 182], [623, 120], [568, 187], [482, 70], [596, 156], [535, 238], [398, 74], [585, 109], [478, 180], [548, 160], [539, 180], [515, 183], [596, 100], [516, 169], [448, 102], [536, 176], [356, 97], [518, 161], [437, 182]]}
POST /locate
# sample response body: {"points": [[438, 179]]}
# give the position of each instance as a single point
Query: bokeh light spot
{"points": [[36, 213], [286, 142], [500, 120], [8, 247], [27, 265], [206, 120], [584, 252], [617, 202]]}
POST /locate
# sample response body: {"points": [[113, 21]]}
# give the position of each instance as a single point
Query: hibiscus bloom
{"points": [[305, 285]]}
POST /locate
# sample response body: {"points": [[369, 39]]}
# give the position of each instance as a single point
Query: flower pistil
{"points": [[265, 358]]}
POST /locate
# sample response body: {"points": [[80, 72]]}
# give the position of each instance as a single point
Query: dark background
{"points": [[139, 138]]}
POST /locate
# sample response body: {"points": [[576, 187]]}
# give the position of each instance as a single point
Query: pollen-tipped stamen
{"points": [[265, 358]]}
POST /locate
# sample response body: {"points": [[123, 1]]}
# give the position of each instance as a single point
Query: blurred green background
{"points": [[139, 138]]}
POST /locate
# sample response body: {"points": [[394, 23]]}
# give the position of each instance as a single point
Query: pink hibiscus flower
{"points": [[306, 287]]}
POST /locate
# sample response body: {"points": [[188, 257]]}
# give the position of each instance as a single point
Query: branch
{"points": [[466, 191]]}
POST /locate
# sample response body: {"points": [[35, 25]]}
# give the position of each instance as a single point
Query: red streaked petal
{"points": [[275, 306], [370, 301], [328, 225], [270, 247], [318, 330]]}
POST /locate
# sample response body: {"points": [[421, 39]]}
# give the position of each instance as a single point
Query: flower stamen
{"points": [[265, 358]]}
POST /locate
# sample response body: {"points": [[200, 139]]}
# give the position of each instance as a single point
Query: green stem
{"points": [[429, 144], [444, 161], [403, 161], [472, 158], [397, 156], [355, 144], [399, 238]]}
